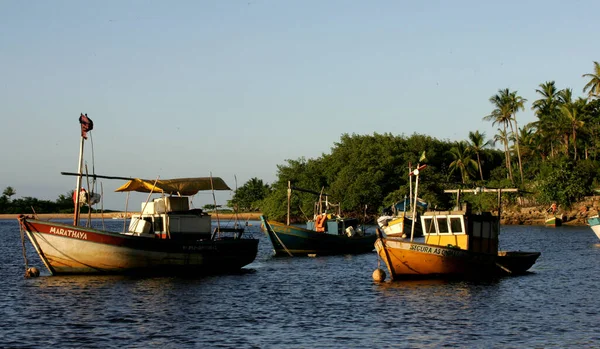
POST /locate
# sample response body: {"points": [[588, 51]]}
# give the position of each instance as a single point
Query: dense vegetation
{"points": [[63, 204]]}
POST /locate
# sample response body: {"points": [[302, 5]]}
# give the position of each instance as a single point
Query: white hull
{"points": [[76, 250], [66, 255], [596, 229]]}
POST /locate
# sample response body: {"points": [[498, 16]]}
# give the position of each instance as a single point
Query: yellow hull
{"points": [[412, 260]]}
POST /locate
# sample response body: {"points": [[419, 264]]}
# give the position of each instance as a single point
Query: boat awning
{"points": [[179, 186]]}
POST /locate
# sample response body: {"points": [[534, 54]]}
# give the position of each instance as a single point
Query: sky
{"points": [[234, 88]]}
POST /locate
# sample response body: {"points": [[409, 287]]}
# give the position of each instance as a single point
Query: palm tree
{"points": [[8, 192], [507, 104], [547, 111], [516, 103], [574, 116], [477, 146], [462, 160], [502, 137], [529, 140], [562, 124], [594, 84]]}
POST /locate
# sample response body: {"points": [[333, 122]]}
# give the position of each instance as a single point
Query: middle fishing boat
{"points": [[459, 243], [327, 234]]}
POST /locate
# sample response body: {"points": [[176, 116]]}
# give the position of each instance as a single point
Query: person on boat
{"points": [[552, 209]]}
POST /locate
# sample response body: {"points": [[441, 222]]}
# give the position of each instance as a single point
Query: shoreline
{"points": [[118, 215], [508, 219]]}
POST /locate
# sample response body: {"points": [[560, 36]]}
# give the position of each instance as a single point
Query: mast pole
{"points": [[289, 194], [78, 189], [414, 213], [212, 188], [410, 193]]}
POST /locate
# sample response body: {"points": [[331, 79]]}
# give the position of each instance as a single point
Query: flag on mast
{"points": [[86, 125]]}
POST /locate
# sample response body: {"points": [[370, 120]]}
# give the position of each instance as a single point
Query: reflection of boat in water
{"points": [[327, 234], [165, 237], [594, 223], [458, 243]]}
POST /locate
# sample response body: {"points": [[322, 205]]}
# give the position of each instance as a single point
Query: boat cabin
{"points": [[335, 225], [171, 218], [475, 232]]}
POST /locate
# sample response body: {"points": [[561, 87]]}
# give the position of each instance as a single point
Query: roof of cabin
{"points": [[180, 186]]}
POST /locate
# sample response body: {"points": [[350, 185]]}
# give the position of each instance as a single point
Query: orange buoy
{"points": [[379, 275], [32, 272]]}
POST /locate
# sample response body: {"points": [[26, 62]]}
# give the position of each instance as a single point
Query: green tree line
{"points": [[63, 204]]}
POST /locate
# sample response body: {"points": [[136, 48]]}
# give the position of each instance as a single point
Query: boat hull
{"points": [[407, 260], [402, 227], [290, 240], [554, 221], [67, 249], [594, 223]]}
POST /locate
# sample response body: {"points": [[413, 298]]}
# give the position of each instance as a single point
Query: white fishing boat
{"points": [[167, 236]]}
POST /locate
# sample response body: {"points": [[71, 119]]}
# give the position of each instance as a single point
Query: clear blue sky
{"points": [[186, 88]]}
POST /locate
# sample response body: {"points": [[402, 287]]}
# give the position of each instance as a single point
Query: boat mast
{"points": [[414, 211], [78, 189], [86, 125], [289, 195], [410, 192], [212, 189]]}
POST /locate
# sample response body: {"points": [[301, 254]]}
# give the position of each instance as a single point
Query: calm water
{"points": [[324, 302]]}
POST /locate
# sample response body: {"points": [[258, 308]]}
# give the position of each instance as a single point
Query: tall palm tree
{"points": [[462, 160], [516, 103], [574, 116], [594, 84], [502, 137], [8, 192], [507, 104], [562, 124], [529, 141], [477, 146], [547, 111]]}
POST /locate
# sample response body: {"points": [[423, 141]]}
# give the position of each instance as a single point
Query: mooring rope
{"points": [[278, 239], [22, 231]]}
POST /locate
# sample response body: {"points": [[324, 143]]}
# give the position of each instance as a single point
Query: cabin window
{"points": [[429, 225], [456, 225], [477, 229], [443, 225], [158, 224]]}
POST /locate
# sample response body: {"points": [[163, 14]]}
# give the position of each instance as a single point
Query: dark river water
{"points": [[323, 302]]}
